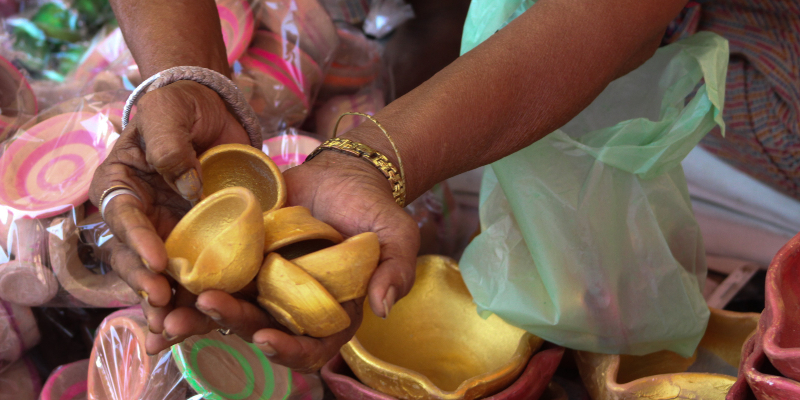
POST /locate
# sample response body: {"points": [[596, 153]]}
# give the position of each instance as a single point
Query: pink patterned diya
{"points": [[18, 333], [530, 385], [301, 21], [237, 23], [67, 382], [20, 381]]}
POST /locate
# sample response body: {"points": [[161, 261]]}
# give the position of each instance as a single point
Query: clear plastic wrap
{"points": [[20, 381], [226, 367], [17, 99], [304, 23], [107, 65], [356, 63], [350, 11], [18, 333], [67, 382], [368, 102], [120, 369], [290, 148], [385, 16]]}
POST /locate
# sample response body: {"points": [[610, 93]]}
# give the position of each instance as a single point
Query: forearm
{"points": [[525, 81], [168, 33]]}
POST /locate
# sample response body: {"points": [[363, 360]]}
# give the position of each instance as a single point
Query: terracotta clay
{"points": [[20, 381], [355, 65], [67, 382], [298, 301], [18, 332], [27, 280], [96, 290]]}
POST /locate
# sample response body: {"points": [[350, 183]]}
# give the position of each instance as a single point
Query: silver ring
{"points": [[224, 332], [114, 193]]}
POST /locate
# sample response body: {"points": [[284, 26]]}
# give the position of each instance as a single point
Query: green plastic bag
{"points": [[588, 236]]}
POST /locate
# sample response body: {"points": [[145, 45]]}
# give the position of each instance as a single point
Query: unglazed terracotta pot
{"points": [[18, 332], [662, 374], [67, 382], [301, 21], [434, 345], [20, 381], [28, 280]]}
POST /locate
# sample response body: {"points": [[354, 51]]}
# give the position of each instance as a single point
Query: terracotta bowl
{"points": [[219, 243], [356, 64], [293, 232], [18, 332], [297, 300], [301, 21], [237, 23], [663, 373], [758, 378], [242, 165], [67, 382], [20, 381], [434, 345]]}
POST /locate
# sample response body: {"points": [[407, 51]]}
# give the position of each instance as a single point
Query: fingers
{"points": [[304, 353], [240, 316], [181, 323], [149, 285], [399, 237]]}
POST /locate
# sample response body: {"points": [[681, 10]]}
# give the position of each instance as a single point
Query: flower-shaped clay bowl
{"points": [[663, 374], [434, 345], [231, 165], [219, 243]]}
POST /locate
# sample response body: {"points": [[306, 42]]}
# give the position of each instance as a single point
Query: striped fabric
{"points": [[762, 100]]}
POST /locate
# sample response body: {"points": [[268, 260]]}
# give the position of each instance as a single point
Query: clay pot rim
{"points": [[774, 302], [324, 231], [127, 321]]}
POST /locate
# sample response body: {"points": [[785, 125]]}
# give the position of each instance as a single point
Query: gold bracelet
{"points": [[377, 159]]}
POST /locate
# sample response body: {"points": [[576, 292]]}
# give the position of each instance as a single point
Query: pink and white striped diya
{"points": [[67, 382], [289, 151], [303, 22], [18, 333], [48, 167], [237, 22]]}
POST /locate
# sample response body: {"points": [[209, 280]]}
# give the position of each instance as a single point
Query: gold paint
{"points": [[344, 269], [298, 301], [434, 345], [231, 165], [661, 375], [291, 227], [219, 244]]}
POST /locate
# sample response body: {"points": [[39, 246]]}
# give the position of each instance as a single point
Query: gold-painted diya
{"points": [[434, 345]]}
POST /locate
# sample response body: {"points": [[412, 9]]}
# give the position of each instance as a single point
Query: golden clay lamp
{"points": [[297, 300], [434, 345], [662, 375], [219, 243], [235, 164], [293, 232]]}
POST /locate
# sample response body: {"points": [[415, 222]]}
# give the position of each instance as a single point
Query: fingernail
{"points": [[189, 185], [388, 301], [213, 314], [146, 264], [167, 337], [266, 348], [145, 297]]}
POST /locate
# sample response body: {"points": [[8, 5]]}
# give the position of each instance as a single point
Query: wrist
{"points": [[331, 162]]}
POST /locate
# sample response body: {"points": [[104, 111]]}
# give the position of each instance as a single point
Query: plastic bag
{"points": [[18, 333], [290, 148], [368, 102], [588, 237], [356, 64], [17, 99], [349, 11], [67, 382], [385, 16]]}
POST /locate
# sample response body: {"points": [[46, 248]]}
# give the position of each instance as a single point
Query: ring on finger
{"points": [[224, 332], [112, 192]]}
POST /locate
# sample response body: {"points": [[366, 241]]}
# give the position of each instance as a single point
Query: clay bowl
{"points": [[237, 23], [531, 383], [18, 332], [297, 300], [119, 367], [67, 382], [434, 345], [780, 325], [291, 61], [28, 280], [301, 21], [242, 165], [664, 373], [355, 65], [219, 243], [758, 378], [293, 232], [20, 381]]}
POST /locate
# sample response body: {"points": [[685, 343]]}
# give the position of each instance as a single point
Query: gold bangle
{"points": [[375, 158], [375, 121]]}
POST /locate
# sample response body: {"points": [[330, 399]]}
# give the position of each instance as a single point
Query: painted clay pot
{"points": [[119, 367], [327, 114], [18, 333], [67, 382], [289, 150], [663, 374], [237, 23], [414, 352], [301, 21], [530, 385], [27, 280], [95, 290], [758, 378], [17, 100], [356, 64], [289, 60], [344, 270], [231, 165], [219, 243], [350, 11], [293, 232], [20, 381], [297, 300]]}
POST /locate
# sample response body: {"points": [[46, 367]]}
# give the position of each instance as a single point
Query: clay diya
{"points": [[119, 367], [663, 374], [237, 23], [17, 100], [355, 65], [532, 383], [226, 367], [67, 382], [27, 280], [326, 115], [290, 150], [47, 169], [20, 381], [219, 243], [297, 300], [231, 165], [301, 21], [758, 378], [434, 345], [18, 332], [293, 232], [96, 290]]}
